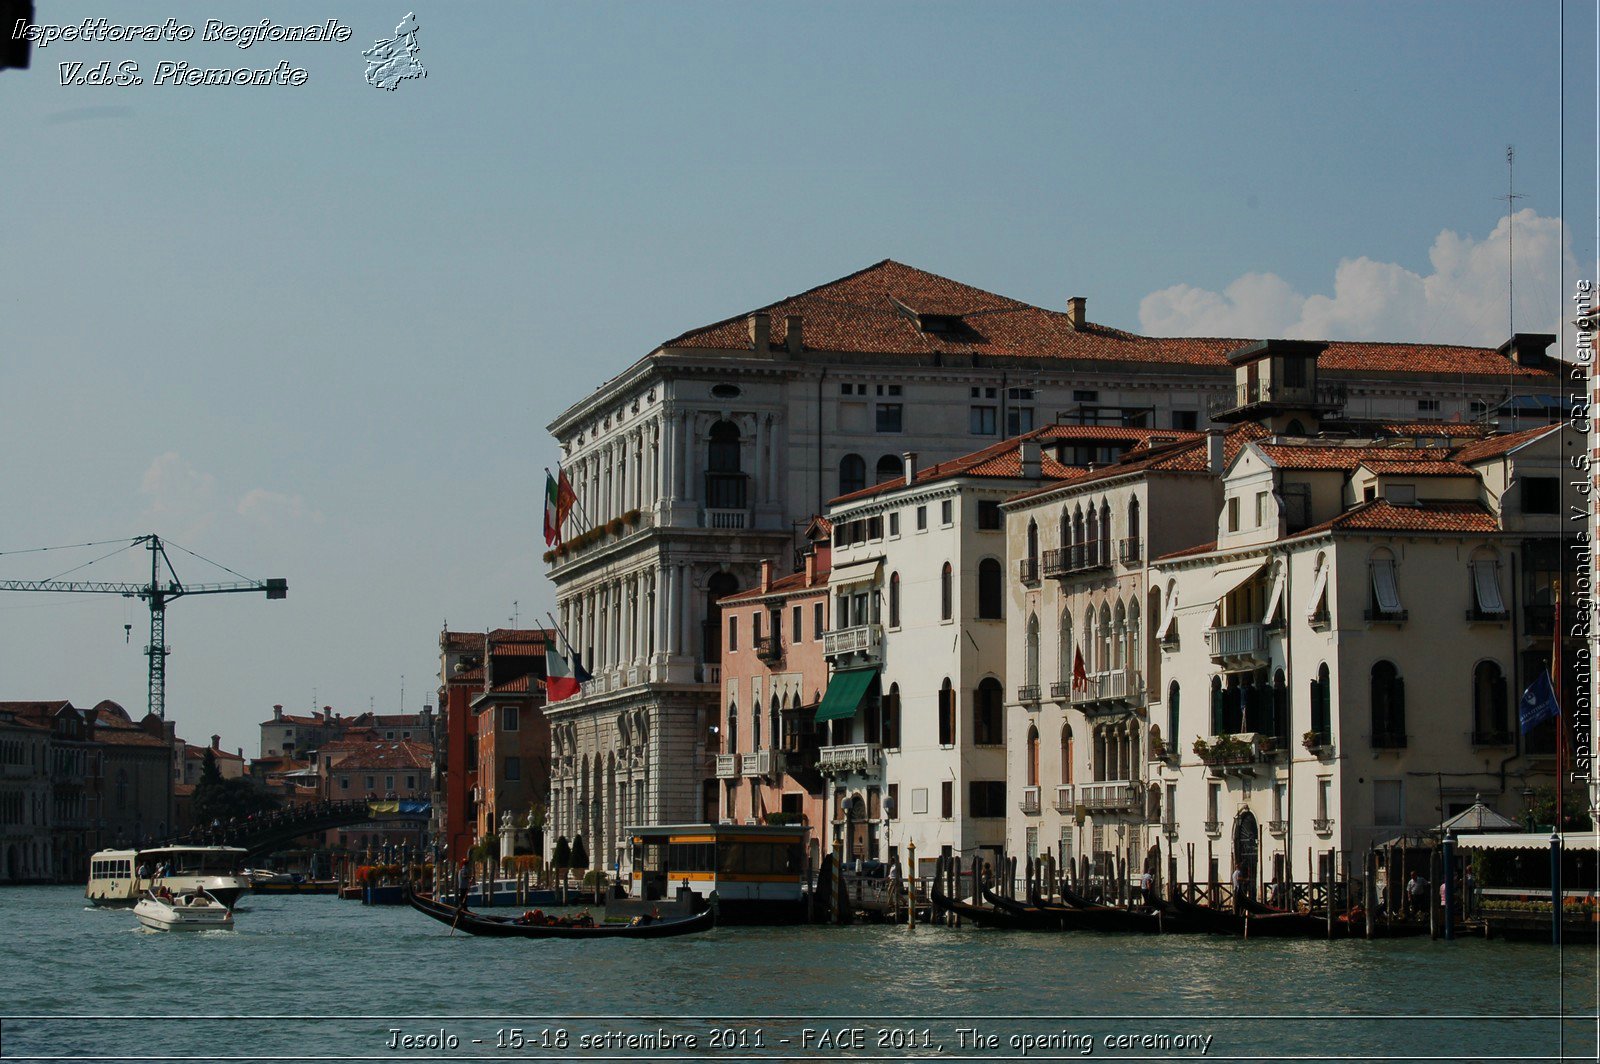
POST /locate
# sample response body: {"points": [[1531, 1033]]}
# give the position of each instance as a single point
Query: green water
{"points": [[315, 978]]}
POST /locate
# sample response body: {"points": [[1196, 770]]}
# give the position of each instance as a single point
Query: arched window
{"points": [[1133, 553], [1033, 755], [991, 591], [730, 743], [894, 600], [755, 726], [1064, 648], [725, 484], [720, 586], [1152, 804], [1156, 747], [890, 468], [891, 718], [988, 713], [1173, 718], [1119, 635], [772, 722], [1105, 532], [1320, 703], [1280, 708], [1103, 654], [1030, 664], [1078, 538], [946, 594], [1388, 706], [1135, 637], [947, 714], [1033, 543], [852, 473], [1219, 707], [1066, 532], [1066, 754], [1490, 726], [1092, 541]]}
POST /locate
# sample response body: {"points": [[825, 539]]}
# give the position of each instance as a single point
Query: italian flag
{"points": [[552, 507], [560, 682]]}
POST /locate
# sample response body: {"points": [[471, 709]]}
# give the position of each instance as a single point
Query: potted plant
{"points": [[1316, 742]]}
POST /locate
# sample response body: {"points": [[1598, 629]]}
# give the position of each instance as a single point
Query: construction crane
{"points": [[157, 594]]}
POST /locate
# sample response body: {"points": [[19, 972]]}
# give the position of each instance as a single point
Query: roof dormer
{"points": [[1275, 382]]}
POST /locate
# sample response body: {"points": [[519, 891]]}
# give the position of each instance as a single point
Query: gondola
{"points": [[996, 918], [1217, 921], [1083, 918], [506, 927]]}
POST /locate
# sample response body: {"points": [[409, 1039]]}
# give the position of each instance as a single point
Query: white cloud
{"points": [[1462, 301], [274, 507], [182, 499]]}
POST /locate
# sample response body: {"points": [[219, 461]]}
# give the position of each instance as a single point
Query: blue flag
{"points": [[1538, 703]]}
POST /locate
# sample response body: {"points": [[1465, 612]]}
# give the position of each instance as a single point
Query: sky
{"points": [[316, 331]]}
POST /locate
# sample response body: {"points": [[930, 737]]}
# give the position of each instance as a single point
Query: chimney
{"points": [[277, 712], [811, 567], [1077, 306], [216, 741], [1214, 452], [241, 753], [791, 334], [760, 331], [1028, 453], [766, 574], [910, 458]]}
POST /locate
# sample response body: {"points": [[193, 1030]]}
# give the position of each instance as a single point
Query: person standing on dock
{"points": [[1238, 888]]}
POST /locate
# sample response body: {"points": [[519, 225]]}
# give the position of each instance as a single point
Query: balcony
{"points": [[1388, 740], [1379, 616], [860, 758], [1477, 616], [1277, 827], [1238, 647], [726, 518], [1028, 571], [1061, 691], [1491, 738], [1322, 826], [1130, 551], [1235, 755], [1113, 796], [863, 639], [1109, 691], [756, 764], [1028, 692], [769, 648], [1030, 801], [1212, 827], [727, 766], [1169, 828], [1071, 561], [1065, 799], [1259, 398]]}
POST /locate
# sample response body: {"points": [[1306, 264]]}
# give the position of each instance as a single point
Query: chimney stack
{"points": [[1214, 452], [766, 574], [811, 567], [910, 459], [791, 334], [1077, 307], [760, 332], [216, 741], [1028, 454], [277, 712]]}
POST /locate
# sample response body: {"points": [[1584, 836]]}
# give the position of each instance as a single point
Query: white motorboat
{"points": [[198, 911]]}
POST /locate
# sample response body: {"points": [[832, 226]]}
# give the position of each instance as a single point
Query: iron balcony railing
{"points": [[769, 647], [1389, 740], [1065, 798], [1028, 570], [1028, 692], [1080, 558], [1115, 685], [1131, 550], [1030, 801], [1491, 737]]}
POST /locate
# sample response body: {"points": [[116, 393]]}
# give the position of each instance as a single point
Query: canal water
{"points": [[316, 978]]}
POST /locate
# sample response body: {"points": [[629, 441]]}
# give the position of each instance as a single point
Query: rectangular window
{"points": [[989, 513], [983, 393], [1427, 406], [733, 632], [986, 798], [1021, 393], [890, 417], [1541, 495], [894, 523], [1185, 420], [513, 771], [795, 634], [1385, 591], [981, 420], [947, 799], [1213, 801], [508, 718], [946, 513], [1261, 508], [1279, 791], [947, 717], [922, 519], [816, 621], [1324, 797], [1294, 373], [371, 783], [1019, 419], [919, 801], [1082, 395], [1233, 514], [1388, 809], [894, 801]]}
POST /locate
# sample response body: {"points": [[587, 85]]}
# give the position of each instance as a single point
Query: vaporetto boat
{"points": [[114, 874]]}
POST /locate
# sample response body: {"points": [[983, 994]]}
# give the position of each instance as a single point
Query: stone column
{"points": [[689, 493], [772, 458], [757, 470], [665, 470]]}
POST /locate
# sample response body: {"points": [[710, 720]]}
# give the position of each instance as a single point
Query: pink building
{"points": [[774, 675]]}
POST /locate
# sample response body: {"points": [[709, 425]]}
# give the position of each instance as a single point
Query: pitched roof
{"points": [[128, 737], [1332, 457], [787, 583], [1381, 515], [890, 308], [1496, 446], [1187, 454], [400, 753], [449, 640], [1418, 469]]}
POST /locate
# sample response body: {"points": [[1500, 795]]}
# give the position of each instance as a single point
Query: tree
{"points": [[561, 860], [219, 799], [580, 853]]}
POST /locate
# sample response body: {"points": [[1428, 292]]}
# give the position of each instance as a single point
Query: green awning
{"points": [[845, 692]]}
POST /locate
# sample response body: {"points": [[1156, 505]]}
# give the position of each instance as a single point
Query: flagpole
{"points": [[577, 503], [1556, 667]]}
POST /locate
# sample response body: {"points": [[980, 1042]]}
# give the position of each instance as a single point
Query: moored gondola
{"points": [[1085, 918], [473, 923], [1001, 919]]}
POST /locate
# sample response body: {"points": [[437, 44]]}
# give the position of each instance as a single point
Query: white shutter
{"points": [[1487, 586], [1169, 614], [1319, 593], [1274, 600], [1384, 588]]}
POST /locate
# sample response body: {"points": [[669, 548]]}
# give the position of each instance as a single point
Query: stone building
{"points": [[702, 458], [25, 849]]}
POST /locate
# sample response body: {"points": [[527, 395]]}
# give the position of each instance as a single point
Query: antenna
{"points": [[1511, 307], [402, 692], [515, 613]]}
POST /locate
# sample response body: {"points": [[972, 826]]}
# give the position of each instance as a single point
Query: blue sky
{"points": [[317, 331]]}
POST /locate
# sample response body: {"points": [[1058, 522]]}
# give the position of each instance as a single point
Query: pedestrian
{"points": [[463, 881], [1417, 896], [1468, 886], [1147, 889], [1238, 888]]}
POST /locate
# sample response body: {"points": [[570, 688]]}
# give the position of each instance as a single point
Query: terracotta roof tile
{"points": [[1495, 446], [1419, 469], [788, 583], [386, 754], [1381, 515], [876, 311], [1346, 459]]}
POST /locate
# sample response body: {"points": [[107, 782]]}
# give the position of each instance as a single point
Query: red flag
{"points": [[566, 498], [1080, 675]]}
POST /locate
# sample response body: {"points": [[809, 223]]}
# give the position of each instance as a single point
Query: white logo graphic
{"points": [[393, 61]]}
